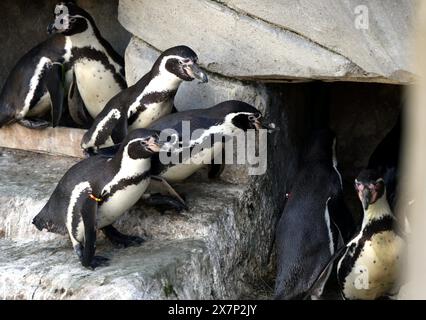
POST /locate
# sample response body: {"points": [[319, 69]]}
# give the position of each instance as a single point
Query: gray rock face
{"points": [[282, 40], [201, 254]]}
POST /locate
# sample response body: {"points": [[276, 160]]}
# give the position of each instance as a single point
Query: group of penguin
{"points": [[318, 243], [77, 68]]}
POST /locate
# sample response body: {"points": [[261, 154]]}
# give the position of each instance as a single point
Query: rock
{"points": [[282, 40], [205, 253]]}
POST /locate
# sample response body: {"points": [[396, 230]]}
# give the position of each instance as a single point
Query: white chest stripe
{"points": [[35, 80], [75, 194], [327, 221], [113, 114]]}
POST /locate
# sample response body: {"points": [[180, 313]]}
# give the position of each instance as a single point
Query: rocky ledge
{"points": [[218, 249]]}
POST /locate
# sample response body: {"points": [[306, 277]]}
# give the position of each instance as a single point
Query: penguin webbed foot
{"points": [[165, 203], [34, 123], [121, 240], [95, 262]]}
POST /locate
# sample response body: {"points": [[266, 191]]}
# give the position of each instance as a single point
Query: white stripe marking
{"points": [[113, 114], [34, 82], [327, 221]]}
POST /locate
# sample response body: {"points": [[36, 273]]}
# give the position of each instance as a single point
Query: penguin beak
{"points": [[153, 145], [51, 29], [365, 197], [195, 72]]}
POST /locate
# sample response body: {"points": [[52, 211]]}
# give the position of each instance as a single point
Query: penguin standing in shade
{"points": [[371, 264], [95, 69], [87, 199], [34, 87], [313, 223], [146, 101]]}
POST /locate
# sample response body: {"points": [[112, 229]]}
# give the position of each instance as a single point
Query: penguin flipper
{"points": [[103, 127], [218, 165], [54, 85], [76, 106], [88, 212], [119, 132]]}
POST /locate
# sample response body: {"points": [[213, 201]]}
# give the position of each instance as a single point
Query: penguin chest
{"points": [[153, 112], [119, 202], [41, 107], [197, 160], [96, 84], [375, 271]]}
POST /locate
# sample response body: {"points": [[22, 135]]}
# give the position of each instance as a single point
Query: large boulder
{"points": [[282, 40]]}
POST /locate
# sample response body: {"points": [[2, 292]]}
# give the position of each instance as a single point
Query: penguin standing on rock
{"points": [[95, 69], [313, 223], [87, 199], [35, 86], [220, 122], [371, 264], [148, 100]]}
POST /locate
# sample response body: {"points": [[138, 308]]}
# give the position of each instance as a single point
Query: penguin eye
{"points": [[187, 61], [73, 20], [252, 117]]}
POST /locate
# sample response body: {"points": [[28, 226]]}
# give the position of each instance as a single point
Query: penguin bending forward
{"points": [[146, 101], [34, 87], [95, 69], [371, 264], [87, 199], [314, 221]]}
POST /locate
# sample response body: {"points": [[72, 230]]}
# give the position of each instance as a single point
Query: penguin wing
{"points": [[109, 121], [76, 106], [54, 85]]}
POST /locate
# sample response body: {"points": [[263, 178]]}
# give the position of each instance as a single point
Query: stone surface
{"points": [[23, 25], [281, 40], [212, 251], [58, 141]]}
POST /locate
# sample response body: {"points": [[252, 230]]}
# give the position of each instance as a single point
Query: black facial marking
{"points": [[136, 150], [173, 66], [242, 121], [96, 55]]}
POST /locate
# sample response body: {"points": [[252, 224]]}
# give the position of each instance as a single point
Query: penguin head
{"points": [[70, 19], [180, 61], [244, 116], [141, 144], [370, 187]]}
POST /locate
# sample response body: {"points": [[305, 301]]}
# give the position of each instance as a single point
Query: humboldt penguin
{"points": [[315, 221], [371, 264], [95, 192], [95, 69], [146, 101], [34, 87]]}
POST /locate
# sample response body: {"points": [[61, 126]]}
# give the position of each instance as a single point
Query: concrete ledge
{"points": [[56, 141]]}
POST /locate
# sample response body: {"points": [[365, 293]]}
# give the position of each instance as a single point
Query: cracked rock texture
{"points": [[282, 40]]}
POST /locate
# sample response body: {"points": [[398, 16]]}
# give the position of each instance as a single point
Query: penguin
{"points": [[146, 101], [314, 223], [371, 263], [225, 120], [222, 121], [96, 192], [95, 70], [34, 87]]}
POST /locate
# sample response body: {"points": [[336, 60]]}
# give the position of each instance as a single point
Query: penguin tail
{"points": [[43, 221]]}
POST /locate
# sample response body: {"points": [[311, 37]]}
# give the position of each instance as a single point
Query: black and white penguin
{"points": [[146, 101], [35, 86], [96, 71], [225, 120], [371, 264], [87, 199], [315, 221]]}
